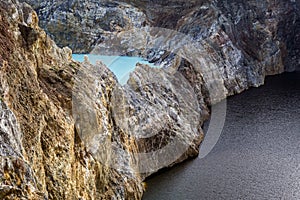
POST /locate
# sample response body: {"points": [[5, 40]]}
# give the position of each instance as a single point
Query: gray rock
{"points": [[75, 132], [82, 24]]}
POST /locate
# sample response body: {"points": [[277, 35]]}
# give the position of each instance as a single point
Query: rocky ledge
{"points": [[69, 130]]}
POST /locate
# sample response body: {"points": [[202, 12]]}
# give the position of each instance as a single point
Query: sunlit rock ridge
{"points": [[41, 153], [273, 25], [46, 98]]}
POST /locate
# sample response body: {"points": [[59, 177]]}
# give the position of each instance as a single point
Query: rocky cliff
{"points": [[69, 130], [232, 45], [41, 153], [274, 25], [82, 24]]}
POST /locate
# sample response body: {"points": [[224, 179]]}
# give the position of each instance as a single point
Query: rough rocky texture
{"points": [[82, 24], [223, 54], [273, 25], [70, 131], [160, 110], [221, 32], [41, 153], [14, 170], [165, 13]]}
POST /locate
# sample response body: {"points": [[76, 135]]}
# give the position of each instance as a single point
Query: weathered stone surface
{"points": [[41, 153], [63, 133], [234, 44], [160, 110], [274, 26], [16, 175], [82, 24], [70, 131]]}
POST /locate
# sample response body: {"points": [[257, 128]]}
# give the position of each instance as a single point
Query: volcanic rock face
{"points": [[244, 41], [71, 131], [82, 24], [273, 25], [41, 153]]}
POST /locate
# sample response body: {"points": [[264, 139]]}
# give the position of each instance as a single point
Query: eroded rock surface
{"points": [[41, 153], [80, 25], [273, 25], [70, 131]]}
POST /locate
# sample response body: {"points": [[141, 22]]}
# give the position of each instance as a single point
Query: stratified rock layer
{"points": [[259, 30], [41, 153], [80, 25], [71, 131]]}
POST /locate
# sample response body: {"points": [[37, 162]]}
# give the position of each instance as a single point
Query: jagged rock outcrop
{"points": [[225, 31], [80, 25], [273, 25], [242, 41], [41, 153], [71, 131]]}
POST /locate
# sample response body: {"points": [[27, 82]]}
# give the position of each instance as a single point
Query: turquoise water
{"points": [[121, 66]]}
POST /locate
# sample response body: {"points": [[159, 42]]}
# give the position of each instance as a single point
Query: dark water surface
{"points": [[257, 156]]}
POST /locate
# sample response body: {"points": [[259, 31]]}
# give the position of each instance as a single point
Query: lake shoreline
{"points": [[185, 173]]}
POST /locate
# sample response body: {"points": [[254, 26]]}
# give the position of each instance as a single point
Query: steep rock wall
{"points": [[80, 25], [265, 23], [41, 153], [69, 130]]}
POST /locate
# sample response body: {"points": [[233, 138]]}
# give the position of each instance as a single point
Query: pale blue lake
{"points": [[121, 66]]}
